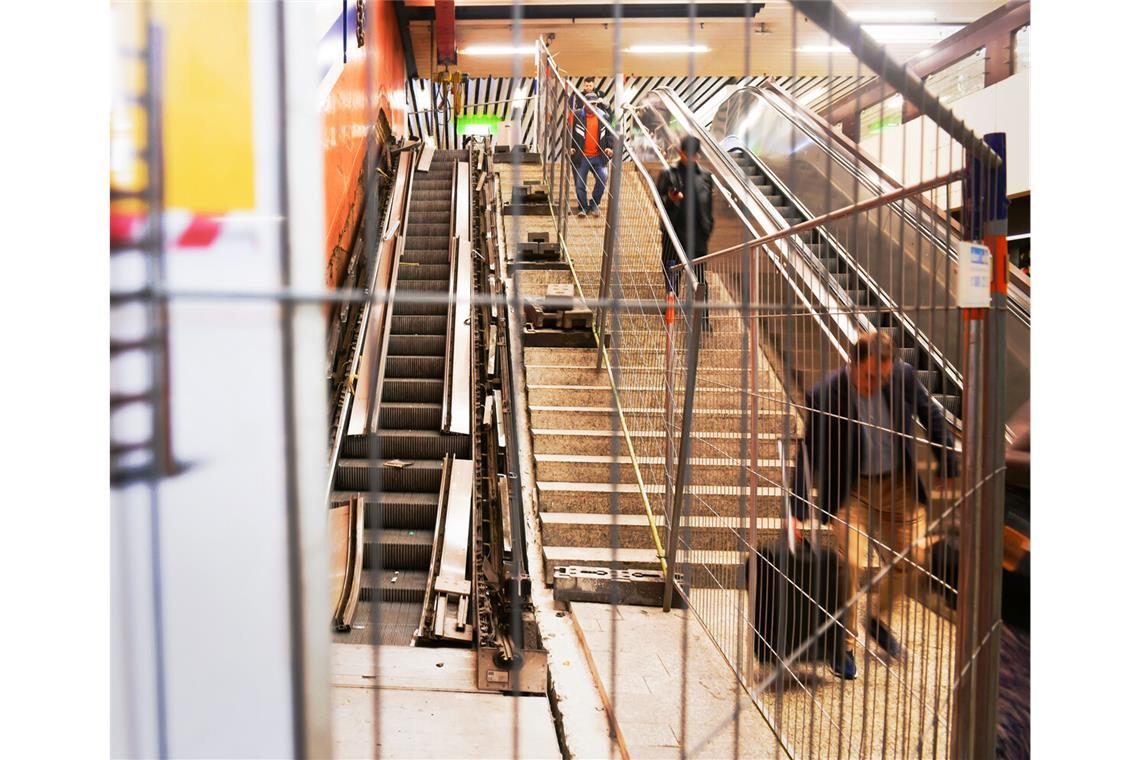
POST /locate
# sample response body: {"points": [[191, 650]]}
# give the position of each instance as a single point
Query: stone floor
{"points": [[637, 653]]}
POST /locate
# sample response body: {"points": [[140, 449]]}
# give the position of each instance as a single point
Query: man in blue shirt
{"points": [[859, 448]]}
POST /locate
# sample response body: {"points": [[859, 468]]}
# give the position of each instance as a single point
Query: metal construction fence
{"points": [[736, 409]]}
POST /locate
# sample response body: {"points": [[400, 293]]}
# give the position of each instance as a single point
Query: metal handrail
{"points": [[544, 58]]}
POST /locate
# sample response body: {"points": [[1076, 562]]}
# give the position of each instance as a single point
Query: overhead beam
{"points": [[591, 11], [992, 29], [402, 18], [839, 25]]}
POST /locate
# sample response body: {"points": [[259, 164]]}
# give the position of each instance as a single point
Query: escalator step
{"points": [[413, 366], [424, 308], [410, 270], [951, 403], [416, 345], [397, 549], [909, 355], [406, 444], [930, 379], [426, 243], [394, 509], [411, 416], [767, 189], [428, 196], [419, 325], [438, 213], [412, 389], [394, 586], [413, 288], [417, 228], [425, 257], [420, 476], [775, 200], [845, 279], [833, 263], [860, 297]]}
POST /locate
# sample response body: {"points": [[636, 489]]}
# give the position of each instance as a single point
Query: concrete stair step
{"points": [[638, 418], [597, 395], [697, 531], [594, 498], [601, 442], [568, 374], [598, 469], [555, 496]]}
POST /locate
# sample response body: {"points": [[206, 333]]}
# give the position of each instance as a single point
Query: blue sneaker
{"points": [[883, 637], [843, 666]]}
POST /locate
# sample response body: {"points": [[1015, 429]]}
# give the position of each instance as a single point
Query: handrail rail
{"points": [[544, 58], [667, 225]]}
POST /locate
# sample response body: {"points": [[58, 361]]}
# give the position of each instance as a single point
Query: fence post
{"points": [[564, 162], [695, 311], [611, 241], [979, 583]]}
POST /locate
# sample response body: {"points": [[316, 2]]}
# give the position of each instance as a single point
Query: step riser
{"points": [[595, 472], [713, 423], [368, 594], [718, 399], [391, 479], [413, 366], [639, 537], [602, 446], [399, 445], [727, 378], [594, 502], [426, 417], [397, 556], [419, 325], [409, 516], [426, 345], [397, 390]]}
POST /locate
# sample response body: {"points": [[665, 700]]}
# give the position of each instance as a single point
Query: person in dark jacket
{"points": [[858, 449], [591, 147], [686, 193]]}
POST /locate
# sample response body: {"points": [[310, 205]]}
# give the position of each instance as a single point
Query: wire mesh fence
{"points": [[797, 418]]}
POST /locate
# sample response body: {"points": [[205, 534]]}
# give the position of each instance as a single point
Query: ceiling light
{"points": [[651, 49], [916, 33], [823, 49], [895, 16], [498, 50]]}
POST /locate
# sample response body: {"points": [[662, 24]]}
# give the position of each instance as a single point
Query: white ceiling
{"points": [[587, 46]]}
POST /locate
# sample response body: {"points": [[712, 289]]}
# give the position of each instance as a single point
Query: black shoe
{"points": [[843, 666], [883, 637]]}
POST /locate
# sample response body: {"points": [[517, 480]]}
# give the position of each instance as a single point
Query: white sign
{"points": [[974, 274]]}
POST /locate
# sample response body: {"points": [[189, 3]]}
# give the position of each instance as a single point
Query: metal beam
{"points": [[981, 33], [839, 25], [591, 11]]}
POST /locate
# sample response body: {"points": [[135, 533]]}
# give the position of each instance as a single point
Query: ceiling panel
{"points": [[586, 46]]}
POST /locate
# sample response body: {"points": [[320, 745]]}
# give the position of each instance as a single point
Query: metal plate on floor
{"points": [[603, 585]]}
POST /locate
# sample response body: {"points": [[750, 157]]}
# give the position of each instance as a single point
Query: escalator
{"points": [[781, 165], [903, 276], [394, 463]]}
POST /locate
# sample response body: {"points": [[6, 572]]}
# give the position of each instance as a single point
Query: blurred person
{"points": [[686, 192], [859, 447], [591, 147]]}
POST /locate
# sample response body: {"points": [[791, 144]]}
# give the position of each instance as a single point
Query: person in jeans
{"points": [[859, 446], [591, 147]]}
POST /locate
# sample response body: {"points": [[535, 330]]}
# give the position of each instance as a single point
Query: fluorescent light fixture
{"points": [[892, 16], [498, 50], [836, 48], [654, 49], [913, 33]]}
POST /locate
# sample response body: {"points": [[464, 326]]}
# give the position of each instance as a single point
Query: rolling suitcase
{"points": [[797, 593], [800, 587]]}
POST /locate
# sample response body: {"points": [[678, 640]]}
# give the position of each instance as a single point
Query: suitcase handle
{"points": [[789, 520]]}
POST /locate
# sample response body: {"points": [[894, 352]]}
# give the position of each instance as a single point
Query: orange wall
{"points": [[348, 116]]}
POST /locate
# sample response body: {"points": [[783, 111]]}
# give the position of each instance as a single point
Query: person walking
{"points": [[591, 147], [686, 192], [859, 448]]}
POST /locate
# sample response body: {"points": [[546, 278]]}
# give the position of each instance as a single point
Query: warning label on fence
{"points": [[974, 274]]}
